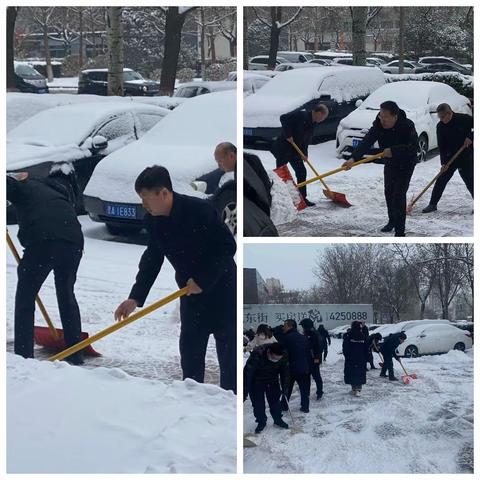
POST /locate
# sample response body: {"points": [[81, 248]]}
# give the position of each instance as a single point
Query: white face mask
{"points": [[262, 336], [274, 360]]}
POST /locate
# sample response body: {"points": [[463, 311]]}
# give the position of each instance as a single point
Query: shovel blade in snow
{"points": [[44, 338], [337, 197], [284, 173], [247, 443], [406, 379]]}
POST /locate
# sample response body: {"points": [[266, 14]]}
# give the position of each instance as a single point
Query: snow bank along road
{"points": [[132, 417], [363, 187], [424, 427]]}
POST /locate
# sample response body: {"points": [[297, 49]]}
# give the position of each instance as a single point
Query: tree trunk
{"points": [[233, 49], [359, 33], [115, 51], [422, 310], [245, 40], [202, 43], [276, 15], [80, 39], [213, 52], [173, 36], [401, 41], [10, 57], [48, 58]]}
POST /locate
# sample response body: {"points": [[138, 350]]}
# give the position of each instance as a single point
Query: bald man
{"points": [[226, 156]]}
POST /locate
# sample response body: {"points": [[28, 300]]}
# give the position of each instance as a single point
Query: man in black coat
{"points": [[315, 353], [373, 345], [389, 352], [189, 233], [325, 341], [297, 126], [454, 130], [53, 240], [397, 137], [355, 351], [299, 362], [260, 379]]}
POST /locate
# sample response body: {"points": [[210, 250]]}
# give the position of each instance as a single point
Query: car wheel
{"points": [[459, 346], [226, 205], [122, 230], [411, 351], [422, 148]]}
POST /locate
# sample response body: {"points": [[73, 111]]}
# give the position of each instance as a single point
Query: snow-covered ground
{"points": [[423, 427], [119, 423], [363, 187], [64, 83]]}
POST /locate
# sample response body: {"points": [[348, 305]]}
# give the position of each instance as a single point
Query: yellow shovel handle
{"points": [[40, 305], [116, 326], [341, 169]]}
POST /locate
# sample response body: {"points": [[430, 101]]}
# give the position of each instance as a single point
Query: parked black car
{"points": [[95, 81], [443, 67], [28, 80]]}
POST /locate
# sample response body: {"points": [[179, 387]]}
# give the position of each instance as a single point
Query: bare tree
{"points": [[276, 26], [361, 18], [227, 26], [245, 39], [401, 41], [12, 13], [115, 51]]}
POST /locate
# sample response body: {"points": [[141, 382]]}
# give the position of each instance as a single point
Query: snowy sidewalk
{"points": [[424, 427]]}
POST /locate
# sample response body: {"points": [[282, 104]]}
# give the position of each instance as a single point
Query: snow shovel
{"points": [[49, 337], [294, 429], [407, 377], [113, 328], [284, 173], [442, 170], [371, 158], [336, 197]]}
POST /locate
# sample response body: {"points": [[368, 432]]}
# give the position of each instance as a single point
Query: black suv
{"points": [[27, 79], [95, 81]]}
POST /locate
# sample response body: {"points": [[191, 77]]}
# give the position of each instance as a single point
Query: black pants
{"points": [[388, 365], [324, 353], [258, 392], [465, 169], [37, 262], [197, 326], [317, 377], [286, 154], [303, 381], [370, 358], [396, 186]]}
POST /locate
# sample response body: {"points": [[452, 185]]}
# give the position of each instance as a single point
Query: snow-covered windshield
{"points": [[128, 76], [26, 71]]}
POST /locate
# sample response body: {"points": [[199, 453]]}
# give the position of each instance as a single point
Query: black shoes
{"points": [[309, 203], [399, 234], [260, 427], [387, 228], [75, 359], [319, 396], [304, 410], [393, 379], [383, 375], [429, 208], [280, 423]]}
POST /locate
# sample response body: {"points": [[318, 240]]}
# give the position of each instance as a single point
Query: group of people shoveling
{"points": [[282, 356], [185, 230], [397, 148]]}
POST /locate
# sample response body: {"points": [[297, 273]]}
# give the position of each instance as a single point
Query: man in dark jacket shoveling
{"points": [[260, 379], [398, 139], [189, 233], [315, 353], [53, 240], [389, 352], [297, 126]]}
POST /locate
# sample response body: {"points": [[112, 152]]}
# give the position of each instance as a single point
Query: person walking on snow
{"points": [[315, 354], [189, 233], [52, 237], [373, 341], [398, 139], [355, 351], [298, 127], [263, 369], [389, 352], [454, 130], [325, 341]]}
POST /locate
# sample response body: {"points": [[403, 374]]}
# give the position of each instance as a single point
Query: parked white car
{"points": [[295, 57], [406, 325], [193, 89], [433, 339], [253, 82], [283, 67], [260, 62], [392, 67], [419, 99]]}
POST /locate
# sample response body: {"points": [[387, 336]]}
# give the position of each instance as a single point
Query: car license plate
{"points": [[120, 211], [356, 142], [248, 132]]}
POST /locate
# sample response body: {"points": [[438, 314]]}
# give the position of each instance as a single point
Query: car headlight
{"points": [[145, 88]]}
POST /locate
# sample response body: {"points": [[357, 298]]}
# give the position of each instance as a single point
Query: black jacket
{"points": [[450, 136], [197, 244], [298, 352], [299, 125], [355, 350], [325, 339], [314, 343], [390, 345], [45, 209], [259, 368], [402, 139]]}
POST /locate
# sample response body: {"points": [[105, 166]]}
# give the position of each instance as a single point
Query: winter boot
{"points": [[387, 228], [319, 395], [393, 379], [304, 410], [309, 203], [75, 359], [280, 423], [429, 208], [260, 427], [384, 375]]}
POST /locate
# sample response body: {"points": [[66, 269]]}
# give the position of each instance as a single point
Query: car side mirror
{"points": [[199, 186], [432, 107], [324, 96], [358, 102], [99, 142]]}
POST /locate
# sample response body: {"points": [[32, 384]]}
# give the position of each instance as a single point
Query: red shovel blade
{"points": [[406, 379], [44, 338], [284, 173], [336, 197], [413, 375]]}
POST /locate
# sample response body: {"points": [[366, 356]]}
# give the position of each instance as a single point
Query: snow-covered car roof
{"points": [[294, 88], [296, 65], [183, 142], [418, 329], [329, 53], [214, 86], [88, 70], [56, 134]]}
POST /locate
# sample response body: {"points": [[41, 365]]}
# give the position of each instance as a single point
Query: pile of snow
{"points": [[283, 209], [183, 143], [466, 80], [105, 421]]}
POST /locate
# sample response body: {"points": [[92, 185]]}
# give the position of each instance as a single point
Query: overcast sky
{"points": [[290, 263]]}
